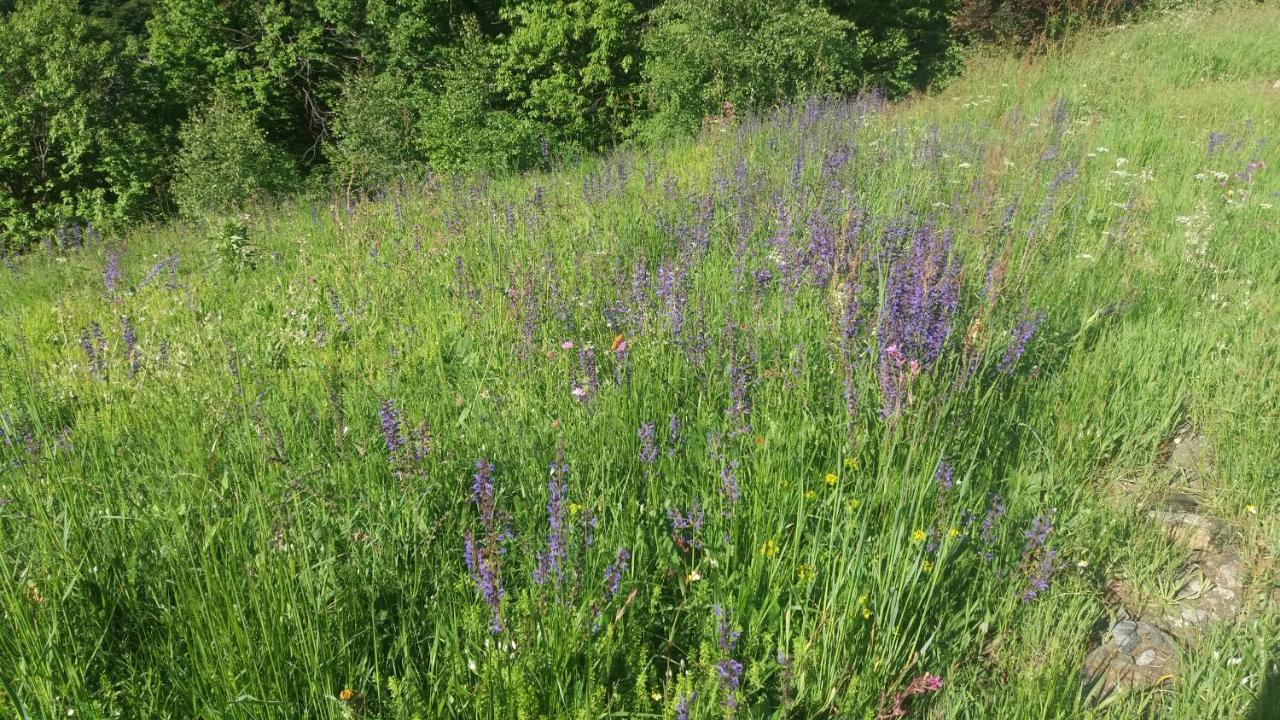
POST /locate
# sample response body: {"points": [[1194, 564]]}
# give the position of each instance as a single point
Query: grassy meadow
{"points": [[853, 410]]}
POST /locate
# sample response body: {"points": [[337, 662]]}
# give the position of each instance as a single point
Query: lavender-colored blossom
{"points": [[739, 408], [482, 493], [1216, 139], [995, 511], [730, 673], [1022, 332], [551, 562], [682, 706], [484, 569], [944, 476], [389, 421], [921, 296], [168, 265], [336, 306], [729, 486], [111, 274], [130, 337], [673, 434], [648, 450], [587, 364], [685, 527], [613, 573], [1041, 571]]}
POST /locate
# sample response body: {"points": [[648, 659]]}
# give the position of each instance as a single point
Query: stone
{"points": [[1197, 532], [1134, 655], [1191, 454], [1211, 593], [1179, 502]]}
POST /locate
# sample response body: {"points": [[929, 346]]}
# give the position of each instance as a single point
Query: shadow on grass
{"points": [[1267, 706]]}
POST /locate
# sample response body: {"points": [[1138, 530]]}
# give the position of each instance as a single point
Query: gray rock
{"points": [[1212, 593], [1191, 455], [1133, 655], [1197, 532]]}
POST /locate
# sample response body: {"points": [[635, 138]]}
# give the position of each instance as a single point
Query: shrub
{"points": [[573, 66], [226, 161], [752, 53], [1019, 22], [375, 126], [465, 123]]}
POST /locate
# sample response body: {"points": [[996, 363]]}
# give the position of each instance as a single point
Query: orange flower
{"points": [[347, 695], [617, 341]]}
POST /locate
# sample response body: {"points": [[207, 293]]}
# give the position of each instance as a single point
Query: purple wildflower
{"points": [[648, 450], [730, 673], [682, 707], [673, 434], [1038, 561], [921, 296], [685, 528], [551, 562], [389, 418], [484, 569], [587, 362], [995, 511], [944, 476], [729, 486], [336, 306], [482, 493], [613, 574], [111, 274], [130, 338], [1021, 333]]}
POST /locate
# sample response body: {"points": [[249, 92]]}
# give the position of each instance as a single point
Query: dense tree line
{"points": [[111, 111]]}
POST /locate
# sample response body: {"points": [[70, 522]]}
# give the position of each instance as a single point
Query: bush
{"points": [[226, 161], [466, 124], [375, 125], [79, 134], [1019, 22], [752, 53], [573, 66]]}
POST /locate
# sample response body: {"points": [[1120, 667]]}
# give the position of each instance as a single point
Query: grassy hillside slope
{"points": [[828, 406]]}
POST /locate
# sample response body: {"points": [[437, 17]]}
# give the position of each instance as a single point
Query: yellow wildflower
{"points": [[1251, 509], [927, 566], [854, 504], [347, 695], [953, 533], [862, 599], [810, 495], [805, 572], [832, 479], [851, 463], [574, 508], [769, 549], [866, 613], [918, 536]]}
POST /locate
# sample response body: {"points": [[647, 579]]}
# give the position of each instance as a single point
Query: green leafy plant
{"points": [[225, 161]]}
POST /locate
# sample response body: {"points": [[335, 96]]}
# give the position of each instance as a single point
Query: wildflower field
{"points": [[853, 410]]}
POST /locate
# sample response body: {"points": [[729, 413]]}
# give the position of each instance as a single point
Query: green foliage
{"points": [[375, 128], [78, 138], [225, 161], [573, 66], [751, 53], [230, 240], [904, 44], [465, 123]]}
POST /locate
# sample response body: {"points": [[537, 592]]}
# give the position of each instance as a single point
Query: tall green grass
{"points": [[223, 534]]}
